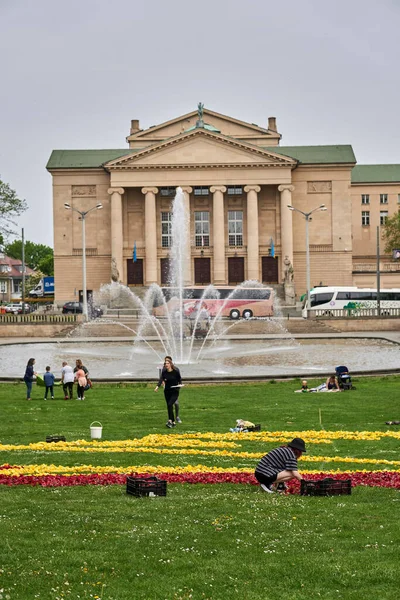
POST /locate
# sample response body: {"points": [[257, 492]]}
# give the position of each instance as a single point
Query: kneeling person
{"points": [[280, 465]]}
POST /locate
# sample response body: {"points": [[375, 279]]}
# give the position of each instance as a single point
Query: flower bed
{"points": [[18, 475], [223, 446]]}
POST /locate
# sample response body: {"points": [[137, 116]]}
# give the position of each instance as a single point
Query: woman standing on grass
{"points": [[170, 378], [28, 377], [80, 367]]}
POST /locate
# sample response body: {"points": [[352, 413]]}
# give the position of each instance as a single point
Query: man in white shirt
{"points": [[67, 379]]}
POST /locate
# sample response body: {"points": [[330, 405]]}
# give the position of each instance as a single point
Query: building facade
{"points": [[237, 181], [11, 271]]}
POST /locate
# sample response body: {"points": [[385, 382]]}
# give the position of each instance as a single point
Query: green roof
{"points": [[376, 174], [316, 155], [84, 159], [308, 155]]}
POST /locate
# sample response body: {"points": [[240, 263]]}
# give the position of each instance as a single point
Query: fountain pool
{"points": [[229, 359]]}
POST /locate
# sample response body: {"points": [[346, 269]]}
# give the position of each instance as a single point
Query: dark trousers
{"points": [[265, 479], [68, 389], [81, 391], [51, 389], [28, 388], [171, 398]]}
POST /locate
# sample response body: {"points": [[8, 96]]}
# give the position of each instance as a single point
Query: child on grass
{"points": [[81, 380], [49, 383]]}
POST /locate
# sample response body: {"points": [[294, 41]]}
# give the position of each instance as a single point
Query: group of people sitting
{"points": [[331, 385], [339, 381]]}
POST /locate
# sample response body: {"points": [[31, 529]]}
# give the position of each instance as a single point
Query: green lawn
{"points": [[201, 541]]}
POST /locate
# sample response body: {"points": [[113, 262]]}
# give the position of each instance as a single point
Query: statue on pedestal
{"points": [[200, 114], [290, 296], [289, 271], [114, 270]]}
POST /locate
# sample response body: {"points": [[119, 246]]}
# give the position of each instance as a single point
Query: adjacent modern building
{"points": [[238, 181]]}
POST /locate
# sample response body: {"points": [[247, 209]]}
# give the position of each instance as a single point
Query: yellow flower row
{"points": [[119, 445], [197, 440], [40, 470], [310, 435]]}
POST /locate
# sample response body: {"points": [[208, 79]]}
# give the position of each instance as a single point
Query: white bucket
{"points": [[96, 430]]}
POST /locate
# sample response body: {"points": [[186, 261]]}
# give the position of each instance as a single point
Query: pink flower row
{"points": [[388, 479]]}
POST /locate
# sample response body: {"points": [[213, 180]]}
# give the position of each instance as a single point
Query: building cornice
{"points": [[376, 183], [198, 167]]}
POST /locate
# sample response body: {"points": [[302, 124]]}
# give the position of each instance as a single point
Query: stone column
{"points": [[252, 231], [188, 280], [117, 234], [150, 232], [286, 226], [218, 192]]}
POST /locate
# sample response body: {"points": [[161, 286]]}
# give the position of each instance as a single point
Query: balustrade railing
{"points": [[43, 318], [354, 313]]}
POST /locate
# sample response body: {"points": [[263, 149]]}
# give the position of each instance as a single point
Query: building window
{"points": [[364, 198], [202, 228], [384, 198], [235, 190], [166, 218], [365, 217], [3, 287], [201, 191], [235, 227], [168, 191], [17, 286], [398, 198], [383, 216]]}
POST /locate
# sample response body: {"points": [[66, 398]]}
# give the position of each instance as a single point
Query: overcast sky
{"points": [[74, 73]]}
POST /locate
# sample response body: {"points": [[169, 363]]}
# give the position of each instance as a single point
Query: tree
{"points": [[391, 233], [37, 256], [32, 281], [10, 207]]}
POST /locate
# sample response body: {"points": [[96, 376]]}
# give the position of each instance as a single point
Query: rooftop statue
{"points": [[200, 110]]}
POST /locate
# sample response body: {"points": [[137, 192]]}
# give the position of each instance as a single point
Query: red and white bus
{"points": [[232, 302]]}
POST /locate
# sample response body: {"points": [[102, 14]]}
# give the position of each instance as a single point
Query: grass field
{"points": [[202, 541]]}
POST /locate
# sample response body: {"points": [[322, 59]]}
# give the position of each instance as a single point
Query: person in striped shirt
{"points": [[280, 465]]}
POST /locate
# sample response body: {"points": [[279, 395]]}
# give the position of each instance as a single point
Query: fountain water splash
{"points": [[170, 325], [180, 236]]}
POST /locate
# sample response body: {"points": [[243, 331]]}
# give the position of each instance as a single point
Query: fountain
{"points": [[226, 349], [175, 333]]}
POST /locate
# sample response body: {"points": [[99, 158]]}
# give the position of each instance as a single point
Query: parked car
{"points": [[77, 308], [17, 308]]}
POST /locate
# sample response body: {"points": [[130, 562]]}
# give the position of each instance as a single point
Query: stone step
{"points": [[127, 325]]}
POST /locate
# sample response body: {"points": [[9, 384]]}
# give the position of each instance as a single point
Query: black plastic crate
{"points": [[255, 428], [147, 486], [325, 487], [55, 438]]}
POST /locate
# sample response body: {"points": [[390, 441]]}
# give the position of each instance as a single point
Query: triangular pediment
{"points": [[200, 148], [224, 124]]}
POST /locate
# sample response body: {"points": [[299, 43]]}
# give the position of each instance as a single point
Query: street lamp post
{"points": [[83, 214], [307, 217]]}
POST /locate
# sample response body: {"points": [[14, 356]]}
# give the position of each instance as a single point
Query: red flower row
{"points": [[388, 479]]}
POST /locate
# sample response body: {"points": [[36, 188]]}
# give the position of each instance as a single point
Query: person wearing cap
{"points": [[279, 466]]}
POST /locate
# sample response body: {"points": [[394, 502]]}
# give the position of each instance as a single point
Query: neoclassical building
{"points": [[238, 181]]}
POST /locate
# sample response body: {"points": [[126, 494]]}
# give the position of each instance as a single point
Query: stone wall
{"points": [[372, 324], [27, 330]]}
